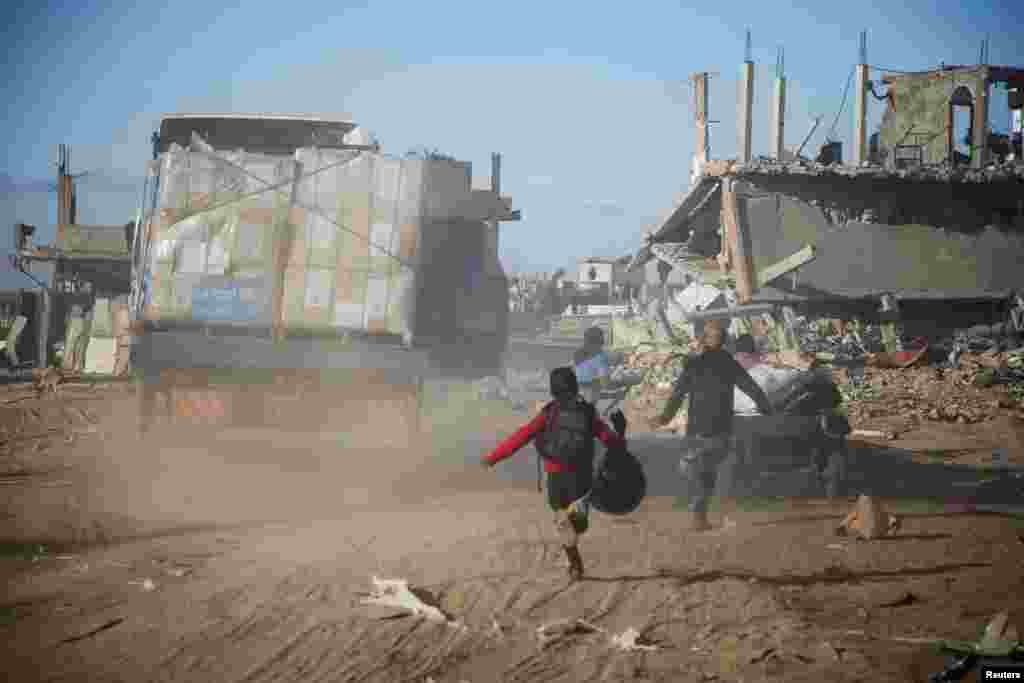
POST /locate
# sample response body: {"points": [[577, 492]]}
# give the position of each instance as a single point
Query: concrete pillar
{"points": [[778, 119], [860, 148], [980, 157], [700, 148], [745, 112]]}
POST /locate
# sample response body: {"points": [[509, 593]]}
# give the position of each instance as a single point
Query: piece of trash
{"points": [[179, 572], [836, 546], [872, 434], [907, 598], [1000, 635], [496, 628], [568, 627], [631, 640], [868, 520], [146, 584], [99, 629], [397, 593], [834, 651]]}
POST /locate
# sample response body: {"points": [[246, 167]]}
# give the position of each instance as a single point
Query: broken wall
{"points": [[918, 105], [864, 259]]}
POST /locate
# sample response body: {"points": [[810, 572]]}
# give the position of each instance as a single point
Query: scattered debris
{"points": [[99, 629], [1000, 634], [631, 640], [762, 655], [999, 640], [872, 434], [546, 633], [146, 584], [868, 520], [396, 593], [833, 651], [905, 599], [896, 359]]}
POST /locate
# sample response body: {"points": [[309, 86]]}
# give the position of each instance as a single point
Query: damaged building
{"points": [[920, 229], [942, 117]]}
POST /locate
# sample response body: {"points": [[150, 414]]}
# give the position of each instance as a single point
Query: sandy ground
{"points": [[241, 556]]}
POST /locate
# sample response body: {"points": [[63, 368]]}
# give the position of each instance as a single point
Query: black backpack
{"points": [[568, 436]]}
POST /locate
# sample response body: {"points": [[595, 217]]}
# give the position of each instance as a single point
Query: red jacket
{"points": [[525, 434]]}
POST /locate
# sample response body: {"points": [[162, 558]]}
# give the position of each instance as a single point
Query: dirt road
{"points": [[243, 559]]}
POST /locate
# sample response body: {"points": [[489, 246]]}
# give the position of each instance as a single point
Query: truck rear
{"points": [[289, 275]]}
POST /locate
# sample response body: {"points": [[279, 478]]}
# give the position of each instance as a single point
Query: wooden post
{"points": [[737, 234]]}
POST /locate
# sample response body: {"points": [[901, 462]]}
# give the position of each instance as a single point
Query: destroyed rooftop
{"points": [[936, 173]]}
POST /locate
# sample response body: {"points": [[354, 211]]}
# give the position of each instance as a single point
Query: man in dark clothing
{"points": [[564, 434], [710, 380]]}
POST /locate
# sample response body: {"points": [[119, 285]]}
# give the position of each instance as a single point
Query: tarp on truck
{"points": [[320, 240]]}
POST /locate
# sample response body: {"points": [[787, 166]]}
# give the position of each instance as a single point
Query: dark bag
{"points": [[568, 437], [620, 484]]}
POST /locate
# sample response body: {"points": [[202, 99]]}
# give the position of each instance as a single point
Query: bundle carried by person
{"points": [[620, 484]]}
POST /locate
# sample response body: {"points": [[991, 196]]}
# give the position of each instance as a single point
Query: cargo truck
{"points": [[290, 275]]}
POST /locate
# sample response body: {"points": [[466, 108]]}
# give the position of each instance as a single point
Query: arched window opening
{"points": [[961, 119]]}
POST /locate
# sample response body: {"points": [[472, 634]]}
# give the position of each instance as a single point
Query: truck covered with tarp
{"points": [[278, 245]]}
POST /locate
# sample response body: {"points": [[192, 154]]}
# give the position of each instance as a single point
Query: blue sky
{"points": [[589, 103]]}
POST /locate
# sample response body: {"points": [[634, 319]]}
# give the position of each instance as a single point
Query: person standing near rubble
{"points": [[564, 434], [710, 380], [592, 364]]}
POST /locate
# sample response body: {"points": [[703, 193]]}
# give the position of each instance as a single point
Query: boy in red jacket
{"points": [[564, 434]]}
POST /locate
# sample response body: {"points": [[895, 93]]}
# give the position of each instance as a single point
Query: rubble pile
{"points": [[982, 387], [657, 369], [847, 347]]}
